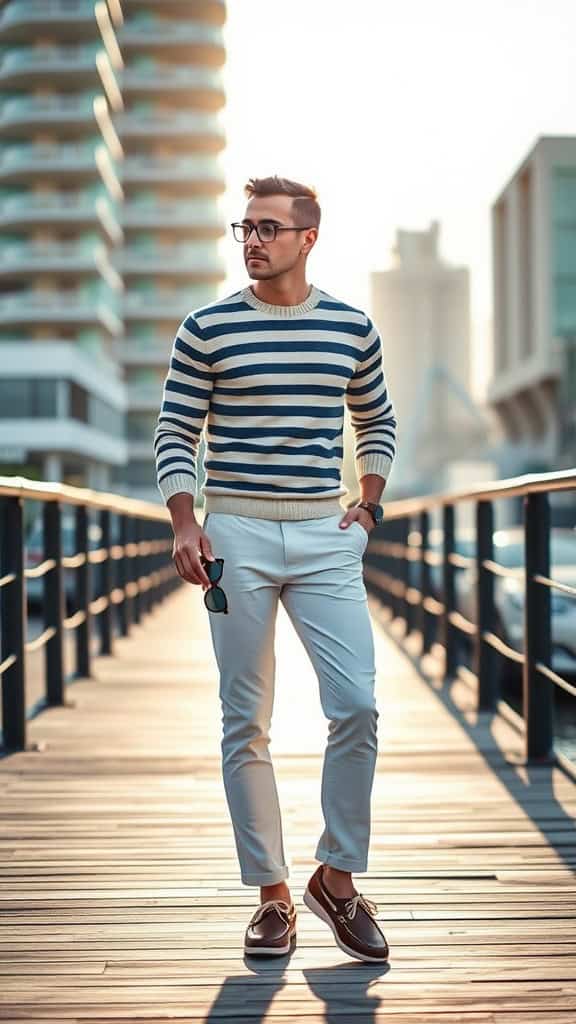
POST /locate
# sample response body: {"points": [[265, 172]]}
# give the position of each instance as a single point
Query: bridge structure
{"points": [[120, 896]]}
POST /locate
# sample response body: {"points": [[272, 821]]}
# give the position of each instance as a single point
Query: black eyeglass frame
{"points": [[276, 227]]}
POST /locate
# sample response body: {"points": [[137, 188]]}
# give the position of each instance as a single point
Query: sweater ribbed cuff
{"points": [[373, 463], [176, 484]]}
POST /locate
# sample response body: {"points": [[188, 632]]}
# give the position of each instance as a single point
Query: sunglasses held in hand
{"points": [[214, 597]]}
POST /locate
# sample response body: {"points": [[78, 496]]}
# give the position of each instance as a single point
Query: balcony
{"points": [[194, 40], [185, 174], [145, 395], [27, 161], [200, 216], [172, 304], [22, 258], [216, 8], [73, 309], [70, 19], [198, 86], [67, 112], [197, 259], [81, 211], [71, 65], [189, 131]]}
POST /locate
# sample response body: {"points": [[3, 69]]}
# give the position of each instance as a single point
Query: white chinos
{"points": [[315, 568]]}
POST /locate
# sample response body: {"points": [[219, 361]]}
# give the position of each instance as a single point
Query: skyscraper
{"points": [[61, 393], [109, 186], [171, 136], [422, 307]]}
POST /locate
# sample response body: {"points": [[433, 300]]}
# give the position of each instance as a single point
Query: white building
{"points": [[533, 389], [61, 392], [172, 179], [422, 308], [109, 221]]}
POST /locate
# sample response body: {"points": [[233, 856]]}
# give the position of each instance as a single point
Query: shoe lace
{"points": [[351, 906], [280, 906]]}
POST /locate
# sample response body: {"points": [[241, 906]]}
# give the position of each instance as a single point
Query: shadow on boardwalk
{"points": [[532, 785], [120, 896]]}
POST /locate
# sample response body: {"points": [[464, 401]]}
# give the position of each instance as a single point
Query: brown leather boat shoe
{"points": [[352, 920], [271, 930]]}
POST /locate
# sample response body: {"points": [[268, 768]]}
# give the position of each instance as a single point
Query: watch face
{"points": [[378, 514]]}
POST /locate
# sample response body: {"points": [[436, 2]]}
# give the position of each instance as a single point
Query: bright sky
{"points": [[398, 113]]}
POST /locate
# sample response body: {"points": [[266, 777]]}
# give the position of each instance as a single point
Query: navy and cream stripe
{"points": [[268, 385]]}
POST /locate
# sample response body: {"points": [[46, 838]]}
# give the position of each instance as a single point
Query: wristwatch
{"points": [[375, 510]]}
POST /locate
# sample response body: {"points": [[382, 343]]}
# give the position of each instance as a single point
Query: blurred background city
{"points": [[440, 139]]}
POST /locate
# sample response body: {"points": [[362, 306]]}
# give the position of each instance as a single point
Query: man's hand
{"points": [[361, 515], [190, 544]]}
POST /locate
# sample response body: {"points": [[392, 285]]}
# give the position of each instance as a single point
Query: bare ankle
{"points": [[279, 891], [339, 882]]}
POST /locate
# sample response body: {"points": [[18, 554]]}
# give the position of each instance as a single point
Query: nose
{"points": [[253, 246]]}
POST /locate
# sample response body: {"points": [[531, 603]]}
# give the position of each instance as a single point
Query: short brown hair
{"points": [[305, 205]]}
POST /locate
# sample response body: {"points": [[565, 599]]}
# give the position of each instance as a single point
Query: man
{"points": [[268, 370]]}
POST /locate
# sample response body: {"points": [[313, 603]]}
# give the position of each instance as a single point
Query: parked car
{"points": [[509, 594], [34, 555]]}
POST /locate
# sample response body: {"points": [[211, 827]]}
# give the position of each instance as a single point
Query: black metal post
{"points": [[135, 568], [424, 615], [13, 605], [403, 573], [148, 563], [484, 653], [448, 632], [538, 700], [410, 610], [54, 604], [153, 565], [106, 585], [125, 607], [83, 592]]}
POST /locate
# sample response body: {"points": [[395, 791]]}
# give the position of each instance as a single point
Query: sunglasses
{"points": [[214, 597]]}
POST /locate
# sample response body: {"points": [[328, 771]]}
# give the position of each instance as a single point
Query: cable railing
{"points": [[91, 591], [458, 591]]}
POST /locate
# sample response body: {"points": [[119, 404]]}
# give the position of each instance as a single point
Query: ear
{"points": [[309, 241]]}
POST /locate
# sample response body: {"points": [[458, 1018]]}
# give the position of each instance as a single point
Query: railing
{"points": [[134, 572], [46, 9], [155, 76], [136, 122], [75, 57], [399, 564], [158, 31]]}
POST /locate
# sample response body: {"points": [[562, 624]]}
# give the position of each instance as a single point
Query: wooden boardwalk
{"points": [[120, 894]]}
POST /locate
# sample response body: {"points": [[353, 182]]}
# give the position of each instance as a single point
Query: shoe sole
{"points": [[317, 908], [271, 950]]}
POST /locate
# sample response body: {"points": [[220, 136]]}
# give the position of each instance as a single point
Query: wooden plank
{"points": [[120, 896]]}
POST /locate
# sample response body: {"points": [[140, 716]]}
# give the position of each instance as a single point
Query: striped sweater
{"points": [[268, 384]]}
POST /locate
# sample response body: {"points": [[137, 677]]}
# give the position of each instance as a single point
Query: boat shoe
{"points": [[272, 929], [352, 919]]}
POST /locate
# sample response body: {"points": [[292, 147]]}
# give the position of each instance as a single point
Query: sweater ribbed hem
{"points": [[285, 311], [177, 483], [373, 463], [273, 508]]}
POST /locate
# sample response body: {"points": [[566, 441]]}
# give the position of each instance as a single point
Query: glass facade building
{"points": [[533, 389], [109, 221]]}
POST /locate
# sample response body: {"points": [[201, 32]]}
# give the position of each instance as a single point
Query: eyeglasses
{"points": [[266, 230], [214, 597]]}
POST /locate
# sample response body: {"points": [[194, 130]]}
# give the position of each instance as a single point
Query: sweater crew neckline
{"points": [[284, 311]]}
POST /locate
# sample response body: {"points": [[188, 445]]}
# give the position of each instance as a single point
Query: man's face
{"points": [[265, 260]]}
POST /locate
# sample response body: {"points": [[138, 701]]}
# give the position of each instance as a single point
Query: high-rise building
{"points": [[61, 392], [533, 389], [422, 307], [110, 222], [171, 136]]}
